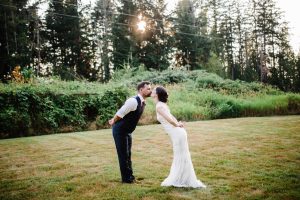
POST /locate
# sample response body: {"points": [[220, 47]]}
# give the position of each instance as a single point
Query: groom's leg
{"points": [[121, 142], [130, 172]]}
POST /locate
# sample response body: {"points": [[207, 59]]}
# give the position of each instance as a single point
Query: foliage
{"points": [[196, 79], [15, 48], [52, 105], [24, 75], [67, 44], [238, 40], [122, 37], [32, 110], [214, 65], [109, 103], [16, 74], [191, 36]]}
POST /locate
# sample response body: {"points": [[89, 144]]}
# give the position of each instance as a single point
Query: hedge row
{"points": [[27, 111]]}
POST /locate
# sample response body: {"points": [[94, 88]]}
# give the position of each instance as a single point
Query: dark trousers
{"points": [[123, 143]]}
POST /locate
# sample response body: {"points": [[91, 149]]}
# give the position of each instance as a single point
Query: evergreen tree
{"points": [[297, 74], [215, 15], [35, 39], [186, 34], [102, 17], [155, 43], [122, 41], [266, 18], [286, 63], [241, 24], [203, 50], [14, 44], [227, 32], [84, 67], [66, 40]]}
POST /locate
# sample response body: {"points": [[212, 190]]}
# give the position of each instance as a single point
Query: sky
{"points": [[291, 15]]}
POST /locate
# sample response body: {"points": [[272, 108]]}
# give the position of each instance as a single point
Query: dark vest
{"points": [[129, 122]]}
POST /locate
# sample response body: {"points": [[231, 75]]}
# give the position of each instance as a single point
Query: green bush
{"points": [[197, 79], [206, 104], [109, 103], [131, 77], [51, 105], [31, 110]]}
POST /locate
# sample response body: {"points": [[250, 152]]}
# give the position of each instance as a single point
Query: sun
{"points": [[141, 26]]}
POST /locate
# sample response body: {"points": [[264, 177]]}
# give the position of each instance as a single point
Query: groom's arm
{"points": [[130, 105], [114, 120]]}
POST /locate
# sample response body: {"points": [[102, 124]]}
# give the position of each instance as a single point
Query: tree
{"points": [[215, 15], [241, 26], [102, 18], [186, 34], [14, 44], [227, 32], [154, 45], [203, 50], [286, 71], [297, 75], [122, 41], [266, 18], [66, 40], [34, 36]]}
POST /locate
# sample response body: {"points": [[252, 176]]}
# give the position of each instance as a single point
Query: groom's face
{"points": [[146, 91]]}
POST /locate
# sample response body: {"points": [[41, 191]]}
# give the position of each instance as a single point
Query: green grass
{"points": [[191, 105], [244, 158]]}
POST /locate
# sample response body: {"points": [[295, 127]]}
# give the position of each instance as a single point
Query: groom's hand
{"points": [[111, 121]]}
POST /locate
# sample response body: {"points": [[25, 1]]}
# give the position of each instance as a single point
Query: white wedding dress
{"points": [[182, 172]]}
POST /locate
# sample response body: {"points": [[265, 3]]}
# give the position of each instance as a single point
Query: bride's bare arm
{"points": [[170, 118]]}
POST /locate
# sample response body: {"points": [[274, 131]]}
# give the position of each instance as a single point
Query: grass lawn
{"points": [[244, 158]]}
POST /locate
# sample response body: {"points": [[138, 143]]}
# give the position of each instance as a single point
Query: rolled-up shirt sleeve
{"points": [[130, 105]]}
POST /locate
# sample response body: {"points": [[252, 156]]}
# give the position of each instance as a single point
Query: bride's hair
{"points": [[162, 94]]}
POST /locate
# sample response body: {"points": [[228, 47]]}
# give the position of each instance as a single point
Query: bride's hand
{"points": [[180, 124]]}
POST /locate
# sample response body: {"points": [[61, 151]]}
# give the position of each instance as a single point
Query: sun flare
{"points": [[141, 26]]}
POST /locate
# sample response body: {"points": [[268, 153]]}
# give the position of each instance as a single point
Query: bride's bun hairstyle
{"points": [[162, 94]]}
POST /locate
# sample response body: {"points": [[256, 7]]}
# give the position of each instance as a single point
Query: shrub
{"points": [[132, 76], [109, 103], [31, 110], [51, 105]]}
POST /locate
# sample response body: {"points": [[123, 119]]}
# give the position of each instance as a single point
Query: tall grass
{"points": [[190, 105], [271, 105]]}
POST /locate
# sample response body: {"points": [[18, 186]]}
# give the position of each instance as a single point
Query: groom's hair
{"points": [[162, 94], [142, 84]]}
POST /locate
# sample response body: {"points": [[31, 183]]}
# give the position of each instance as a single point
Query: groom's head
{"points": [[144, 88]]}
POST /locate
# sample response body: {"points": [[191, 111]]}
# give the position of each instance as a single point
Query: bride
{"points": [[182, 172]]}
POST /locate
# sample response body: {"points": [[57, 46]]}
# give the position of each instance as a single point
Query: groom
{"points": [[124, 123]]}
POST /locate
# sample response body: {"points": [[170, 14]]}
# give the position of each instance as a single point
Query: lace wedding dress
{"points": [[182, 172]]}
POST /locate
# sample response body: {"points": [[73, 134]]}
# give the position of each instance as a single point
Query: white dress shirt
{"points": [[129, 105]]}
